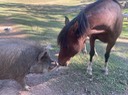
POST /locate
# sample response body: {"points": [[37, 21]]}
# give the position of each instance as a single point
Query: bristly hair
{"points": [[82, 26], [117, 2]]}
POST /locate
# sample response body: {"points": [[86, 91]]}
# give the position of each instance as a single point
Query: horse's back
{"points": [[105, 15], [104, 12]]}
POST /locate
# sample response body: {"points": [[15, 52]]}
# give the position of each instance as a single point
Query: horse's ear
{"points": [[66, 20], [75, 26]]}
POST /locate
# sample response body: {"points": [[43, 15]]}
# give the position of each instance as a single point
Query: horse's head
{"points": [[69, 42]]}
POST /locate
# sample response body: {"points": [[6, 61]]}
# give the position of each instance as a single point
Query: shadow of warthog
{"points": [[20, 57]]}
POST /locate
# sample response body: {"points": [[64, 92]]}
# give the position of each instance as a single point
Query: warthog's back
{"points": [[16, 57]]}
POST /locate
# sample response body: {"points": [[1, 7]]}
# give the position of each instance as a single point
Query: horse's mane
{"points": [[82, 26]]}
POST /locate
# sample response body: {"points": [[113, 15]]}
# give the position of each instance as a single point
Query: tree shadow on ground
{"points": [[44, 17], [35, 11]]}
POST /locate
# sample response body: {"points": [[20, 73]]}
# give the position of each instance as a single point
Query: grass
{"points": [[37, 2], [125, 26], [42, 21], [117, 80]]}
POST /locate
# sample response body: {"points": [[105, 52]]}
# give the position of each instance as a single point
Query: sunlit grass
{"points": [[61, 2], [125, 30], [125, 26]]}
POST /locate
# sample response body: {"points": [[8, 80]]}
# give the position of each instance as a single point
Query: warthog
{"points": [[20, 57]]}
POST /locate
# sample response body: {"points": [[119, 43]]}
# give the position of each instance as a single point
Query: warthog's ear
{"points": [[42, 55], [66, 20]]}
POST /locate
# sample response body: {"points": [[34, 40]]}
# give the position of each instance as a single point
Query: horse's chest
{"points": [[104, 37]]}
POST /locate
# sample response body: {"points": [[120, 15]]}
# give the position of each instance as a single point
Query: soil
{"points": [[58, 82]]}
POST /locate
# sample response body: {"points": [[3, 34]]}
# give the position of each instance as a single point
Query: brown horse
{"points": [[100, 20]]}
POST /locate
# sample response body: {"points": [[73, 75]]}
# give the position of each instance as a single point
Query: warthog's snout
{"points": [[53, 65]]}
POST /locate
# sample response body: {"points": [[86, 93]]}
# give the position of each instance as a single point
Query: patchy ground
{"points": [[62, 81], [58, 82]]}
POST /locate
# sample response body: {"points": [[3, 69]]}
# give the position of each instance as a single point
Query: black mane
{"points": [[82, 26]]}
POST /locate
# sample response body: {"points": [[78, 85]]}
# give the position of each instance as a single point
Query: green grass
{"points": [[124, 33], [117, 80], [51, 2], [36, 20], [44, 22]]}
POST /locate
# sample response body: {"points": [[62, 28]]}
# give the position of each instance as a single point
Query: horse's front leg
{"points": [[92, 52], [107, 54], [84, 50]]}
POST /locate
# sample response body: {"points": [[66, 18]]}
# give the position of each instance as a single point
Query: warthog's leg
{"points": [[23, 83]]}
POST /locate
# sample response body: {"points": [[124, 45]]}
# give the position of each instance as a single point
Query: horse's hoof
{"points": [[105, 71], [89, 71], [96, 54], [27, 88], [84, 52]]}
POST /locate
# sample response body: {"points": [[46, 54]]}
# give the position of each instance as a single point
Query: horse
{"points": [[84, 50], [100, 20]]}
